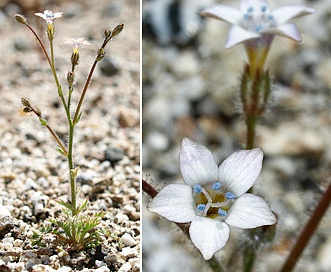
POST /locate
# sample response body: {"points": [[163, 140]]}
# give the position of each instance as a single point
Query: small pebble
{"points": [[114, 154], [128, 240], [125, 267], [4, 212], [129, 252]]}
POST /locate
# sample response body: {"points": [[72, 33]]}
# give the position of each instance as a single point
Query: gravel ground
{"points": [[193, 81], [32, 174]]}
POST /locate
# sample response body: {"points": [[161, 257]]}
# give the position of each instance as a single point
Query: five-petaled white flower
{"points": [[255, 25], [77, 43], [214, 197], [49, 16]]}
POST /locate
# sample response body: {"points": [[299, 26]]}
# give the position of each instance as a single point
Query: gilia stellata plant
{"points": [[77, 231]]}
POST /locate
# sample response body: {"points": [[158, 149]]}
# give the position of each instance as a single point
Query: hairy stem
{"points": [[308, 231], [251, 120]]}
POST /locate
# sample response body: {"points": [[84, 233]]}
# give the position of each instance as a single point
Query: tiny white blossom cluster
{"points": [[214, 197]]}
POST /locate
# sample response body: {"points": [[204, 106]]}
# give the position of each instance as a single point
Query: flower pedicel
{"points": [[214, 197]]}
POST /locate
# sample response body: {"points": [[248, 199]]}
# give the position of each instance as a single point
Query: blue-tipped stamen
{"points": [[197, 188], [230, 195], [222, 212], [250, 9], [201, 207], [247, 16], [216, 186], [264, 8], [258, 28]]}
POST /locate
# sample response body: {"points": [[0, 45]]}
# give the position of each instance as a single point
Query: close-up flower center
{"points": [[212, 200], [257, 19]]}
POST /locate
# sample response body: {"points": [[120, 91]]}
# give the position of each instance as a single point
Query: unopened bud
{"points": [[74, 58], [101, 54], [117, 30], [25, 102], [108, 33], [70, 78], [20, 19], [27, 110]]}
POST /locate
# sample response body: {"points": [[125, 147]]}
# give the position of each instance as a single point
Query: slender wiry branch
{"points": [[308, 231]]}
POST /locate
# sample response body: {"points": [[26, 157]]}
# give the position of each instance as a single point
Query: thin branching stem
{"points": [[40, 43], [56, 138]]}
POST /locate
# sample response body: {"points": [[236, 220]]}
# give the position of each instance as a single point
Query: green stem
{"points": [[251, 120], [71, 132], [249, 258], [81, 99], [59, 88], [71, 168]]}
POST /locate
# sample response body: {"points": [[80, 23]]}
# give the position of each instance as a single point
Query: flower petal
{"points": [[238, 34], [250, 211], [197, 163], [286, 13], [224, 13], [174, 202], [289, 30], [240, 170], [208, 235]]}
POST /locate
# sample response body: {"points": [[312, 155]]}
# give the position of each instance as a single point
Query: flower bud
{"points": [[75, 58], [25, 102], [27, 110], [117, 30], [20, 19], [101, 54], [70, 78], [108, 33]]}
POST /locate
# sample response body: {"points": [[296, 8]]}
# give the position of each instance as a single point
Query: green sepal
{"points": [[78, 118], [42, 121], [58, 149]]}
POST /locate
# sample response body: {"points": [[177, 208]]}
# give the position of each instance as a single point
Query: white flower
{"points": [[77, 43], [214, 197], [255, 20], [49, 16]]}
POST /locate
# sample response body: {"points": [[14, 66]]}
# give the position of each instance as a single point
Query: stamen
{"points": [[264, 8], [216, 186], [247, 16], [230, 195], [201, 207], [205, 192], [197, 188], [222, 212], [220, 204], [258, 28], [250, 9]]}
